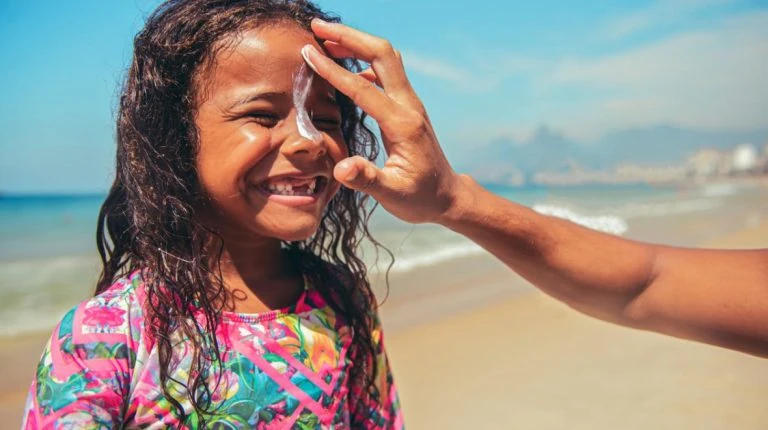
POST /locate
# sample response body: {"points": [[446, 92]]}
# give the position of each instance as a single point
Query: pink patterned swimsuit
{"points": [[282, 369]]}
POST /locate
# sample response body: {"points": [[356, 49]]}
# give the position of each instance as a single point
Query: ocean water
{"points": [[637, 211], [48, 259]]}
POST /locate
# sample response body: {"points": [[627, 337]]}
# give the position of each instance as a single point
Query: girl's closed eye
{"points": [[326, 121], [264, 119], [271, 119]]}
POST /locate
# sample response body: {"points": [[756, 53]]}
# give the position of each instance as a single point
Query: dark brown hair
{"points": [[149, 221]]}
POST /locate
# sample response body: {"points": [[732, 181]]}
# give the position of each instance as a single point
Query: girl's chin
{"points": [[296, 236], [294, 231]]}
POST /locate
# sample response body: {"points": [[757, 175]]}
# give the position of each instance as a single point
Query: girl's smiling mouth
{"points": [[294, 190]]}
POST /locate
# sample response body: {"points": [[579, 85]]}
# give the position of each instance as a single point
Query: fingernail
{"points": [[347, 165], [305, 53], [319, 21]]}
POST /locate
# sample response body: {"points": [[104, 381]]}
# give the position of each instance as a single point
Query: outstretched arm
{"points": [[718, 297], [714, 296]]}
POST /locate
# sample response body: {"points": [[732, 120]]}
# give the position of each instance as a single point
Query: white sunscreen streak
{"points": [[302, 83]]}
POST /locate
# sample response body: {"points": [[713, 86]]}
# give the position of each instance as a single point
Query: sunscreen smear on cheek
{"points": [[302, 83]]}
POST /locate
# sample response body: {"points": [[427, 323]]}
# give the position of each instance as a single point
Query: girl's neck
{"points": [[259, 276]]}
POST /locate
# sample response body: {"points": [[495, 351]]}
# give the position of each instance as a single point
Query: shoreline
{"points": [[415, 298]]}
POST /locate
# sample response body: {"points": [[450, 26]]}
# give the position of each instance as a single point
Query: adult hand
{"points": [[416, 183]]}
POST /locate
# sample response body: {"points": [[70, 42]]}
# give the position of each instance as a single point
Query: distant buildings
{"points": [[629, 173], [625, 173], [743, 160], [704, 165]]}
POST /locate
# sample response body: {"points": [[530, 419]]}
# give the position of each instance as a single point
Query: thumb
{"points": [[358, 174]]}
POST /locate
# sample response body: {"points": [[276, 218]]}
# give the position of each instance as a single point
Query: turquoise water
{"points": [[39, 227], [48, 259], [47, 226]]}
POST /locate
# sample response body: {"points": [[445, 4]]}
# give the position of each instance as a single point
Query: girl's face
{"points": [[264, 179]]}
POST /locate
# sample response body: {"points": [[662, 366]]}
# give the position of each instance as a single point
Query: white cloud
{"points": [[489, 69], [660, 12], [435, 68], [481, 133], [709, 78], [713, 78]]}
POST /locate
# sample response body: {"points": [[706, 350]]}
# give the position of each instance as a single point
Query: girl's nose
{"points": [[297, 145]]}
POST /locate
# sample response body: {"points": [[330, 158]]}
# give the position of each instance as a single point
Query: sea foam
{"points": [[606, 223]]}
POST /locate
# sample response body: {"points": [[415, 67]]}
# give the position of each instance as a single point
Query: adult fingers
{"points": [[362, 91], [384, 59], [370, 76], [337, 51], [359, 174]]}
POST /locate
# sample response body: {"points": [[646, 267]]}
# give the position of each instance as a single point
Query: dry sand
{"points": [[533, 363], [18, 359]]}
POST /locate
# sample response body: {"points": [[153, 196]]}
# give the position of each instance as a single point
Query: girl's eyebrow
{"points": [[269, 95], [275, 96]]}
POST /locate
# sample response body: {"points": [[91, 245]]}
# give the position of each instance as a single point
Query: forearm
{"points": [[718, 297], [594, 272]]}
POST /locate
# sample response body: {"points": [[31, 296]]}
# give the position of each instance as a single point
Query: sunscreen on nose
{"points": [[302, 83]]}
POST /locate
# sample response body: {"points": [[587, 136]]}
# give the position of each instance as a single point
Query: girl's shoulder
{"points": [[125, 291], [88, 363], [112, 316]]}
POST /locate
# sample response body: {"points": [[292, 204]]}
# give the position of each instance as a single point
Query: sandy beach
{"points": [[530, 362], [474, 347], [19, 357]]}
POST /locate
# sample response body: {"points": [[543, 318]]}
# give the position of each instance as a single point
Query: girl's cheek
{"points": [[225, 160], [247, 149], [252, 144]]}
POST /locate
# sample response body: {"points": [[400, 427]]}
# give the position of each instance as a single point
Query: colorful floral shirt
{"points": [[281, 369]]}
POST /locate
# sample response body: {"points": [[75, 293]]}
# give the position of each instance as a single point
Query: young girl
{"points": [[231, 295]]}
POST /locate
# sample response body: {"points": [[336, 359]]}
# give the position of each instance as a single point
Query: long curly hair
{"points": [[150, 219]]}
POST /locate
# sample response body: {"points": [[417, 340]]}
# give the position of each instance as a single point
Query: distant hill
{"points": [[668, 144], [545, 150], [548, 150]]}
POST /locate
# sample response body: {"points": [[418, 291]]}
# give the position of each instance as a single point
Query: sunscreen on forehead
{"points": [[302, 83]]}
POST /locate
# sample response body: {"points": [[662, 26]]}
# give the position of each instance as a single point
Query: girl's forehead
{"points": [[266, 56]]}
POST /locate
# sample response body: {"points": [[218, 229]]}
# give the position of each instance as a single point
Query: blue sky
{"points": [[485, 69]]}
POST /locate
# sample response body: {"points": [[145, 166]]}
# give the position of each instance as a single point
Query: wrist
{"points": [[462, 197]]}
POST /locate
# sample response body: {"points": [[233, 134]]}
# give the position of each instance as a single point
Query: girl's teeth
{"points": [[287, 189]]}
